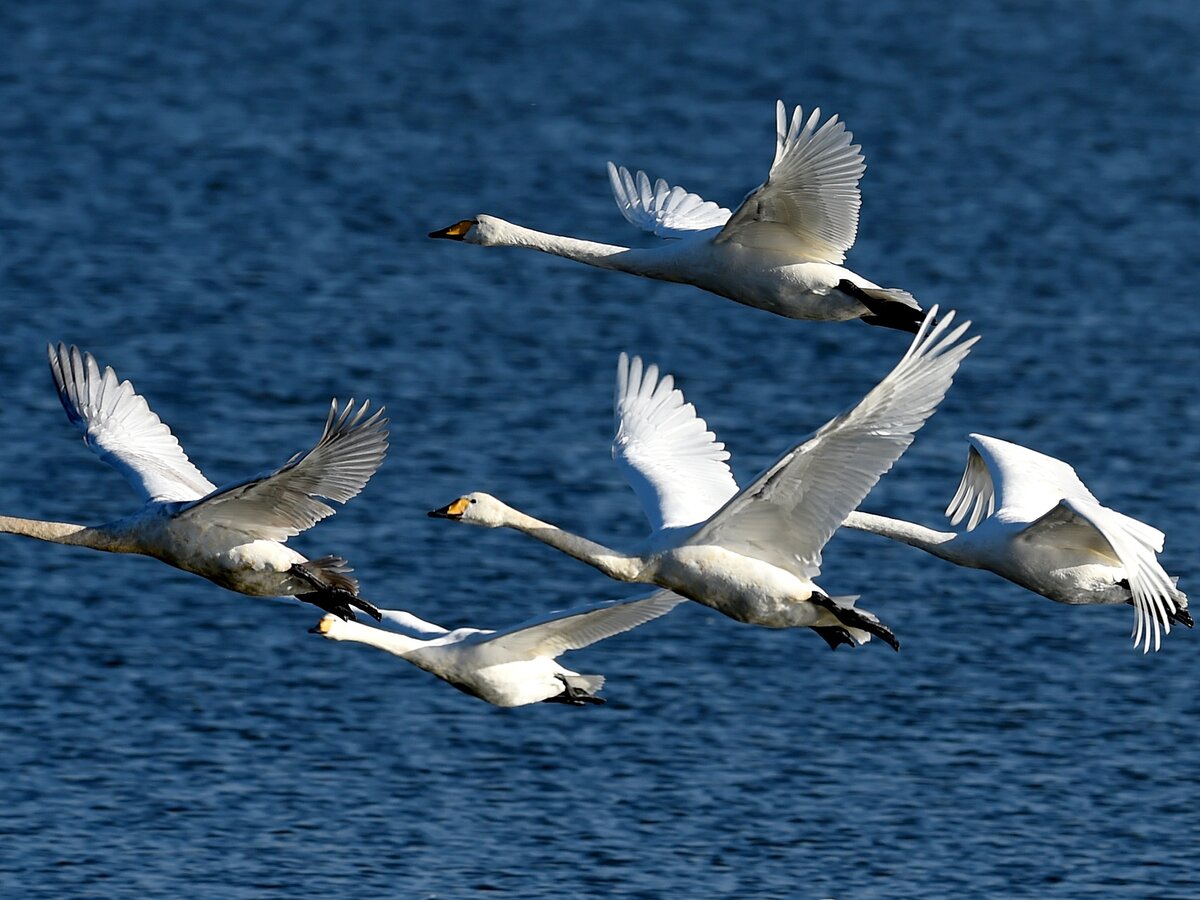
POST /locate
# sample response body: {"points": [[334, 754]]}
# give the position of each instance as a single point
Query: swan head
{"points": [[331, 627], [474, 509], [486, 231]]}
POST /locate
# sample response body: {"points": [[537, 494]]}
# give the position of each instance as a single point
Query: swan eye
{"points": [[474, 500]]}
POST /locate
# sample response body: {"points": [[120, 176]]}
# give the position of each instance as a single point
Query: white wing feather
{"points": [[557, 632], [808, 206], [674, 464], [787, 515], [669, 212], [286, 502], [119, 426]]}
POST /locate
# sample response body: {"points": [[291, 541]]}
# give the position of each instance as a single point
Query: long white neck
{"points": [[940, 543], [63, 533], [391, 641], [605, 256], [413, 625], [612, 563]]}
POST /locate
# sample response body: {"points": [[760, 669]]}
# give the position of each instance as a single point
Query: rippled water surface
{"points": [[228, 203]]}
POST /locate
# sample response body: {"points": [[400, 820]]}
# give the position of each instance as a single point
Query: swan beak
{"points": [[456, 232], [323, 626], [454, 511]]}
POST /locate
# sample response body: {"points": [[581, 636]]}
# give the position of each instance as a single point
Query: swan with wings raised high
{"points": [[233, 535], [750, 554], [781, 250], [1030, 519]]}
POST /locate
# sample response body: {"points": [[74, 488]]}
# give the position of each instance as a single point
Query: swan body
{"points": [[781, 250], [233, 536], [753, 553], [512, 667], [1031, 520]]}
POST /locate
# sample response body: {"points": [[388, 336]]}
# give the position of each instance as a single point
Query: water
{"points": [[228, 203]]}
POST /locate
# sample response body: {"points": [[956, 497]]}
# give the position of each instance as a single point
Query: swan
{"points": [[512, 667], [233, 535], [1030, 519], [782, 249], [750, 554]]}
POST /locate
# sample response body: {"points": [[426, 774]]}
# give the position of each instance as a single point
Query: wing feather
{"points": [[669, 212], [789, 512], [809, 203], [119, 426], [674, 464], [289, 500]]}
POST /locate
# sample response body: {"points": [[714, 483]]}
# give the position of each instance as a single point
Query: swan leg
{"points": [[886, 309], [835, 637], [853, 618], [572, 696]]}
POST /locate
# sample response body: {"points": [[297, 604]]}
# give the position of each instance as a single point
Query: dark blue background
{"points": [[228, 203]]}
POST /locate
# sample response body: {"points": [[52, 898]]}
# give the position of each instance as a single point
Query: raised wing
{"points": [[674, 464], [1003, 475], [808, 206], [571, 629], [277, 506], [122, 430], [1117, 539], [669, 212], [787, 515]]}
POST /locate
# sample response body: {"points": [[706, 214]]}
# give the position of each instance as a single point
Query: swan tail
{"points": [[887, 307], [1180, 615]]}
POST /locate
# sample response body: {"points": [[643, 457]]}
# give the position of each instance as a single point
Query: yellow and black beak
{"points": [[322, 627], [456, 232], [454, 511]]}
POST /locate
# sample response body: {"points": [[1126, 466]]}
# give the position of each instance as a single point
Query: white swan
{"points": [[782, 250], [232, 535], [1031, 520], [751, 554], [515, 666]]}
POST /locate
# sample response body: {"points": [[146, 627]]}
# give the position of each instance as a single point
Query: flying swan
{"points": [[750, 554], [782, 250], [234, 535], [512, 667], [1031, 520]]}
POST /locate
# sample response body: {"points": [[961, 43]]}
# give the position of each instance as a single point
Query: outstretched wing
{"points": [[1119, 540], [975, 498], [674, 464], [277, 506], [669, 212], [808, 206], [571, 629], [786, 516], [122, 430]]}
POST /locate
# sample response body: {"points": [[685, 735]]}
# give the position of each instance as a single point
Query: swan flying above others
{"points": [[750, 554], [1031, 520], [781, 250], [514, 666], [234, 535]]}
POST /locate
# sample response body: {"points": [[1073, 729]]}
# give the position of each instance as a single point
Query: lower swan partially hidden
{"points": [[750, 554], [233, 536], [1031, 520], [512, 667]]}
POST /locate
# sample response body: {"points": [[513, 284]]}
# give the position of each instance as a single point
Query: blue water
{"points": [[228, 203]]}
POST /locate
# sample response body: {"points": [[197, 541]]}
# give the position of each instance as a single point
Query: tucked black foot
{"points": [[334, 603], [835, 637], [853, 618], [886, 310], [573, 696]]}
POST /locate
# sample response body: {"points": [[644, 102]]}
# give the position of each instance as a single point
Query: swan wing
{"points": [[1007, 476], [809, 203], [786, 516], [669, 212], [289, 500], [674, 464], [1118, 540], [570, 629], [119, 426]]}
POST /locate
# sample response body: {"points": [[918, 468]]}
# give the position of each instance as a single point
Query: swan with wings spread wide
{"points": [[1031, 520], [234, 535], [781, 250], [514, 666], [750, 554]]}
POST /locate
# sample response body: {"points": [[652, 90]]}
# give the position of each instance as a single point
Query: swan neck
{"points": [[391, 641], [612, 563], [939, 543], [60, 533], [592, 253]]}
